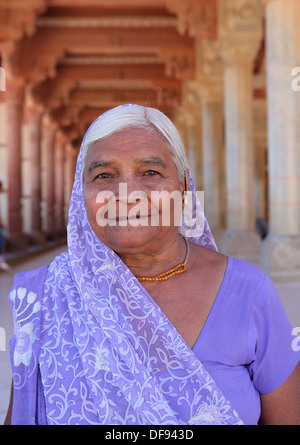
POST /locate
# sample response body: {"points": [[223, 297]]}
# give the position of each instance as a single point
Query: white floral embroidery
{"points": [[21, 292], [110, 269], [174, 346], [24, 340], [101, 364], [24, 333], [206, 415]]}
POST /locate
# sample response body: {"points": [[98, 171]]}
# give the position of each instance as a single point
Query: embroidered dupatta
{"points": [[105, 351]]}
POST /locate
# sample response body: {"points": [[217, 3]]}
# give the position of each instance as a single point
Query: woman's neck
{"points": [[154, 261]]}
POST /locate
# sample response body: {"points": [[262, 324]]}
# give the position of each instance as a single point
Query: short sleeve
{"points": [[270, 341]]}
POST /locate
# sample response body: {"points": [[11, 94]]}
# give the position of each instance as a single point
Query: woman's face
{"points": [[123, 180]]}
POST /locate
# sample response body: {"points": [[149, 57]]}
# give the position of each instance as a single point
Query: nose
{"points": [[129, 186]]}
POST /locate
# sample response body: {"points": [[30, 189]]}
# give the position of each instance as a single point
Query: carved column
{"points": [[193, 122], [209, 86], [33, 116], [180, 123], [14, 104], [59, 158], [71, 155], [188, 122], [212, 146], [281, 255], [48, 136], [240, 38], [3, 161]]}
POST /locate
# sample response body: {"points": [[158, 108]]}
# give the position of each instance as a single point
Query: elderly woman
{"points": [[143, 321]]}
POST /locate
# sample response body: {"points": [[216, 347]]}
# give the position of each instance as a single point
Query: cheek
{"points": [[100, 209], [91, 206], [169, 206]]}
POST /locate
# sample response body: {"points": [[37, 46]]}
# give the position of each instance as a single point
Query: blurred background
{"points": [[224, 71]]}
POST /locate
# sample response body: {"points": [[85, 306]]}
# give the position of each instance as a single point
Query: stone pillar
{"points": [[3, 161], [209, 88], [188, 123], [212, 145], [192, 149], [281, 253], [71, 155], [240, 38], [193, 123], [59, 158], [48, 136], [180, 123], [33, 116], [14, 106]]}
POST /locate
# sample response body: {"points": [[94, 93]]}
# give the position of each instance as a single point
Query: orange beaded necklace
{"points": [[180, 268]]}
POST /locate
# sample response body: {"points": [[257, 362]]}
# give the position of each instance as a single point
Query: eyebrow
{"points": [[96, 164], [152, 161]]}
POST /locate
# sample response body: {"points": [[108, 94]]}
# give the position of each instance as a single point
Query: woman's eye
{"points": [[103, 176], [151, 173]]}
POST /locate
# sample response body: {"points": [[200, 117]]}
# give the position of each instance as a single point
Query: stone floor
{"points": [[288, 292]]}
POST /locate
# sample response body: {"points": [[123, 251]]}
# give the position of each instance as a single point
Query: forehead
{"points": [[129, 141]]}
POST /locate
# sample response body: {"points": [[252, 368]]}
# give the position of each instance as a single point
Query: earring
{"points": [[186, 200]]}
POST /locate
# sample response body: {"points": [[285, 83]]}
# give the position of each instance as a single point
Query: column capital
{"points": [[240, 50], [241, 16], [205, 90], [198, 18], [208, 59], [240, 31]]}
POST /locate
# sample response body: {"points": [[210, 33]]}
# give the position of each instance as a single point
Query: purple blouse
{"points": [[246, 342]]}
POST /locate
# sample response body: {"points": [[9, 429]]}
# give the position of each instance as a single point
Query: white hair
{"points": [[131, 115]]}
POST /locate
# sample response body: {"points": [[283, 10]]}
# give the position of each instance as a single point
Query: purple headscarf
{"points": [[104, 350]]}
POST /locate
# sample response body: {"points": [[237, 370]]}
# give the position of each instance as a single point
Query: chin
{"points": [[120, 238]]}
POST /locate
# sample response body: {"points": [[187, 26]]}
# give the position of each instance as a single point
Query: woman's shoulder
{"points": [[246, 271], [29, 285], [237, 273], [31, 279]]}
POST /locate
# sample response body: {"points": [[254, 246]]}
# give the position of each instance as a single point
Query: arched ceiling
{"points": [[78, 58]]}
